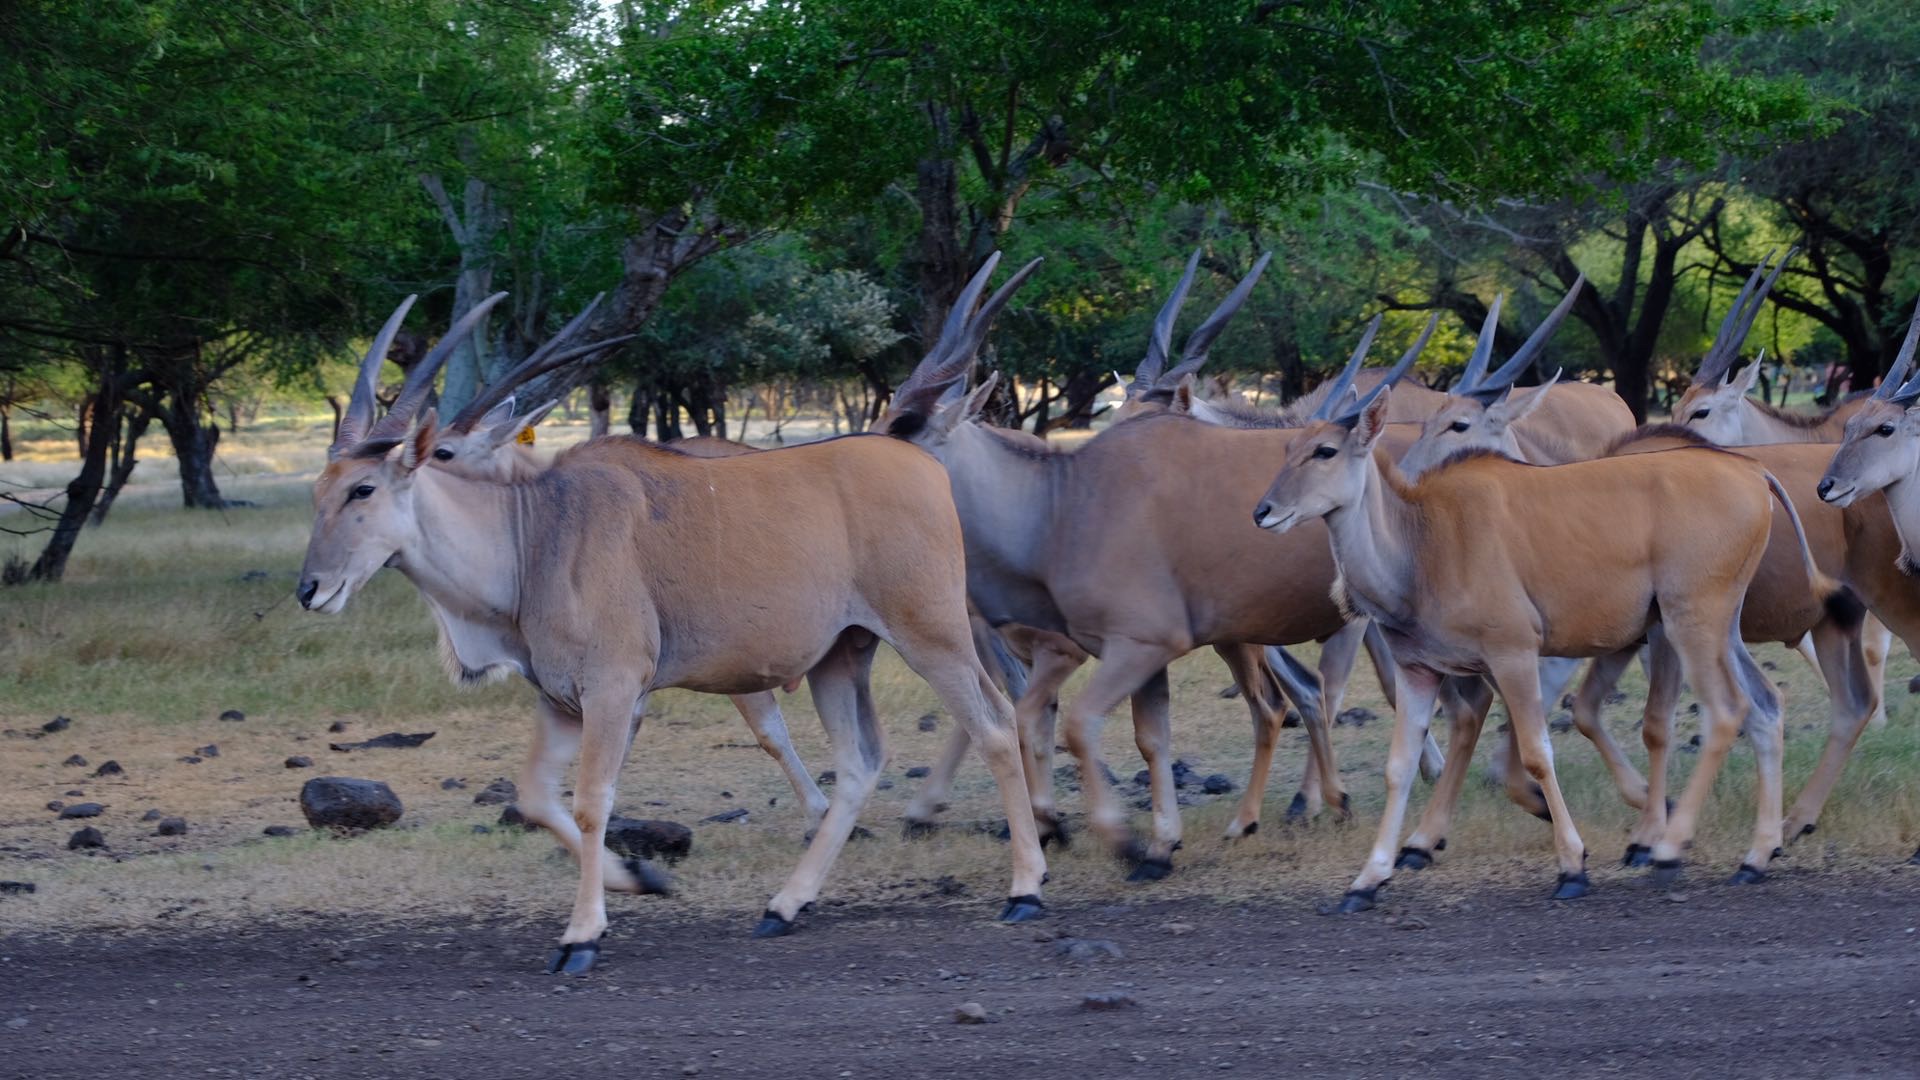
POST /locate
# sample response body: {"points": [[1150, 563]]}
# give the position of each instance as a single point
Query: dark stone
{"points": [[1072, 948], [1691, 746], [500, 791], [83, 810], [1108, 1002], [17, 888], [1217, 784], [190, 760], [75, 761], [1913, 685], [1229, 691], [1355, 717], [173, 826], [337, 727], [883, 785], [931, 721], [451, 784], [109, 768], [643, 838], [280, 830], [826, 778], [75, 793], [58, 723], [233, 716], [481, 830], [152, 815], [392, 740], [1143, 778], [1183, 774], [1561, 724], [512, 818], [86, 838], [56, 806], [252, 576], [209, 750], [299, 761], [738, 813], [918, 772], [344, 802]]}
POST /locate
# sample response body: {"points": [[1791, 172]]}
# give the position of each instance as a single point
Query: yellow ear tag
{"points": [[525, 438]]}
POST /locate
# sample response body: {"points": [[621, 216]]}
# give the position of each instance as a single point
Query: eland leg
{"points": [[1517, 679], [1716, 669], [1843, 664], [1465, 700], [1413, 711], [1126, 668], [1656, 732], [556, 739], [762, 714], [609, 720]]}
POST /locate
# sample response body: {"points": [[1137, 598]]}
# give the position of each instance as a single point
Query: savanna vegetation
{"points": [[206, 207]]}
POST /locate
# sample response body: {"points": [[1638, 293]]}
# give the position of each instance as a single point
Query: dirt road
{"points": [[1808, 975]]}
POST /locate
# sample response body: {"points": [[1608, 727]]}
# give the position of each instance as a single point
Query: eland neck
{"points": [[465, 554], [1373, 539], [1005, 496]]}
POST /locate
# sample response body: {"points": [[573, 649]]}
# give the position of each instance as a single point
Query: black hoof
{"points": [[1022, 909], [917, 830], [653, 880], [1053, 832], [1357, 900], [1666, 871], [1748, 875], [1297, 809], [1346, 806], [1151, 870], [1637, 855], [1805, 830], [1571, 887], [1252, 827], [574, 959], [1413, 858], [773, 925]]}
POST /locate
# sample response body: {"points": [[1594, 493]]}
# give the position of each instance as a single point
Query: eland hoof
{"points": [[1571, 887], [573, 959], [1666, 871], [773, 924], [1413, 858], [1356, 901], [1252, 827], [1637, 855], [1297, 809], [1148, 869], [1053, 832], [1804, 830], [1748, 874], [653, 880], [1021, 909]]}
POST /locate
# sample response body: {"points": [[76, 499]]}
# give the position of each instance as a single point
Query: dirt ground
{"points": [[1807, 975]]}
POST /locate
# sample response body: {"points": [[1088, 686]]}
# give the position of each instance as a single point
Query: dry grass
{"points": [[168, 618]]}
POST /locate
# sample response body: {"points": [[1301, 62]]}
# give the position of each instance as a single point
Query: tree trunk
{"points": [[6, 431], [666, 411], [638, 410], [473, 227], [1082, 389], [133, 424], [599, 410], [85, 488], [193, 446]]}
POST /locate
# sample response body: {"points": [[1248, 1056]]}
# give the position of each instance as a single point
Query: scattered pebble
{"points": [[337, 727], [280, 830], [1086, 949], [17, 888], [1355, 717], [83, 810], [299, 761], [109, 768], [1108, 1002], [452, 784], [58, 723], [56, 806], [738, 813], [1217, 784], [75, 761], [931, 721], [500, 791], [1178, 929], [918, 772], [209, 750], [512, 818], [190, 760], [233, 716], [173, 826], [392, 740], [648, 839], [88, 837], [971, 1013], [344, 802]]}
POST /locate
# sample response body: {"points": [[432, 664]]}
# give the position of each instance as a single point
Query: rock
{"points": [[643, 838], [109, 768], [738, 813], [1217, 784], [152, 815], [883, 784], [75, 761], [451, 784], [75, 793], [299, 761], [1112, 1001], [17, 888], [1086, 949], [1691, 746], [85, 839], [344, 802], [1183, 774], [500, 791], [209, 750], [252, 576], [826, 778], [190, 760], [512, 818], [337, 727], [83, 810], [481, 830], [58, 723], [1178, 929], [56, 806], [392, 740], [233, 716], [173, 826], [971, 1013], [1913, 685], [918, 772], [931, 721], [1229, 692], [1355, 717], [280, 830]]}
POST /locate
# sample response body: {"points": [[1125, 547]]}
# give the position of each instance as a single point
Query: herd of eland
{"points": [[1480, 541]]}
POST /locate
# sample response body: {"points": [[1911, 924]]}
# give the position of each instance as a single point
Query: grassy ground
{"points": [[169, 618]]}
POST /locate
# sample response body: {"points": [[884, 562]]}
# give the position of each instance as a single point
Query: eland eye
{"points": [[1701, 414], [442, 453], [1458, 425], [1325, 451], [1884, 430], [361, 492]]}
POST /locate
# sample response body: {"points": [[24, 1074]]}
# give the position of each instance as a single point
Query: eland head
{"points": [[1712, 403], [1882, 441]]}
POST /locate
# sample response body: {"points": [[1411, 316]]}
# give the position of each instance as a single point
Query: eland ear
{"points": [[1372, 421], [498, 415], [417, 444], [510, 429], [977, 400], [1518, 402], [1750, 375], [1183, 396]]}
